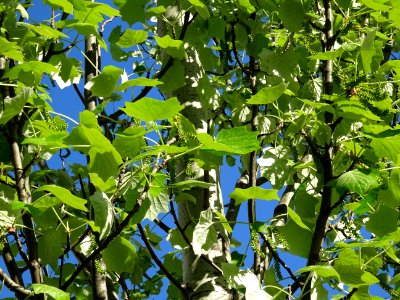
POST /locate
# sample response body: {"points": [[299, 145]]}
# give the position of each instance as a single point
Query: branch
{"points": [[160, 264], [13, 286]]}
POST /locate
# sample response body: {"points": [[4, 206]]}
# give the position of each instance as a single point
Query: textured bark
{"points": [[201, 279]]}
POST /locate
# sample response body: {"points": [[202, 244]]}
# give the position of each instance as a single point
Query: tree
{"points": [[298, 97]]}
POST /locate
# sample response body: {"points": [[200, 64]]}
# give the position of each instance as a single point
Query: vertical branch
{"points": [[92, 65], [325, 156]]}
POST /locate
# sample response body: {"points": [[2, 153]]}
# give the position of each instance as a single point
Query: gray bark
{"points": [[201, 279]]}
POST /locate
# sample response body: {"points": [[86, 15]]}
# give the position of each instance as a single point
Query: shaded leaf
{"points": [[268, 94], [120, 256]]}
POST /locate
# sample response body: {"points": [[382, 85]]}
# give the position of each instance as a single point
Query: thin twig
{"points": [[158, 262]]}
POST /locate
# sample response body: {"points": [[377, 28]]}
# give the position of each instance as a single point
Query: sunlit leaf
{"points": [[148, 109], [64, 196], [241, 195]]}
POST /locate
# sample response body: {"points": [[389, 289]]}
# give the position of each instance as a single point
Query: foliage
{"points": [[300, 98]]}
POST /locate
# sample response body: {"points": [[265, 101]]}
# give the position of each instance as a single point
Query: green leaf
{"points": [[159, 203], [246, 6], [64, 196], [51, 245], [368, 51], [204, 234], [87, 29], [103, 212], [268, 94], [348, 265], [45, 31], [148, 109], [358, 181], [224, 222], [141, 81], [256, 192], [30, 66], [323, 271], [391, 196], [376, 5], [188, 184], [10, 49], [231, 141], [296, 218], [55, 293], [13, 106], [104, 84], [132, 11], [132, 37], [175, 48], [354, 110], [120, 256], [328, 55], [383, 221], [65, 5], [388, 147], [200, 8], [292, 14]]}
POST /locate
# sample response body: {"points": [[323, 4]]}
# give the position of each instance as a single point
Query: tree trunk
{"points": [[202, 279]]}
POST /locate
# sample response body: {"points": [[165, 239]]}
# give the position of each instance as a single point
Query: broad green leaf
{"points": [[256, 192], [176, 239], [64, 196], [174, 78], [65, 5], [52, 140], [368, 51], [200, 8], [55, 293], [328, 55], [391, 196], [104, 84], [224, 222], [268, 94], [188, 184], [323, 271], [175, 48], [51, 245], [387, 147], [30, 66], [132, 11], [141, 81], [103, 212], [120, 256], [354, 110], [378, 5], [319, 105], [204, 234], [159, 204], [87, 29], [358, 181], [13, 106], [296, 218], [10, 49], [236, 140], [132, 37], [348, 266], [292, 14], [104, 163], [383, 221], [45, 31], [130, 142], [148, 109], [246, 6], [109, 186]]}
